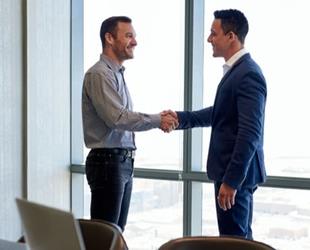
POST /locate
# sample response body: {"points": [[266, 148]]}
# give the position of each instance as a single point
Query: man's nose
{"points": [[134, 42]]}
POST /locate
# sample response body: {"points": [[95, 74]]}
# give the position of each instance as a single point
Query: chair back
{"points": [[102, 235], [214, 243]]}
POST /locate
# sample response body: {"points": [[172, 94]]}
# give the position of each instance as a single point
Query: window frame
{"points": [[191, 175]]}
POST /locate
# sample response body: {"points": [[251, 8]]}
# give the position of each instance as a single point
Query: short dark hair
{"points": [[109, 26], [233, 20]]}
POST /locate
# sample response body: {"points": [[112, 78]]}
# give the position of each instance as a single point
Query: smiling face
{"points": [[123, 43], [221, 42]]}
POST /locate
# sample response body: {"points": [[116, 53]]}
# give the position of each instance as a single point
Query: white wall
{"points": [[34, 106], [11, 92]]}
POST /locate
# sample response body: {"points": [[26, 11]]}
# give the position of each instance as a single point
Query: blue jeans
{"points": [[110, 180]]}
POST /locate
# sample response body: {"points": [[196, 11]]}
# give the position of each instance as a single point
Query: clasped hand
{"points": [[168, 121]]}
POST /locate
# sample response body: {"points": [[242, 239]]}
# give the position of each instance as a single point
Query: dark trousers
{"points": [[110, 180], [236, 221]]}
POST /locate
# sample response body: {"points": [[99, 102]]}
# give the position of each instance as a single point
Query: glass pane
{"points": [[155, 215], [286, 70], [281, 217], [155, 75], [209, 222]]}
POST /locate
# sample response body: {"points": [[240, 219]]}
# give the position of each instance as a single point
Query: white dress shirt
{"points": [[231, 61]]}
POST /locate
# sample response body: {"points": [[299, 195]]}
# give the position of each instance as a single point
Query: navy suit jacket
{"points": [[236, 154]]}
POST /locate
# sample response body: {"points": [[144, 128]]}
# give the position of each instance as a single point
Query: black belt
{"points": [[114, 151]]}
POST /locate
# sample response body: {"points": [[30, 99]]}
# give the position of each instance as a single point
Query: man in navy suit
{"points": [[236, 159]]}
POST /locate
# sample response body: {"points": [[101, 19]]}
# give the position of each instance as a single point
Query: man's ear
{"points": [[231, 35], [109, 38]]}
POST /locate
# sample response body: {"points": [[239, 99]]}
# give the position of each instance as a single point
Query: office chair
{"points": [[102, 235], [214, 243]]}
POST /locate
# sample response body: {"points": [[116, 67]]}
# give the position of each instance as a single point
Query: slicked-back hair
{"points": [[110, 25], [233, 20]]}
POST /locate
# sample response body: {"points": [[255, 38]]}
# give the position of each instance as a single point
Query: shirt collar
{"points": [[231, 61], [111, 64]]}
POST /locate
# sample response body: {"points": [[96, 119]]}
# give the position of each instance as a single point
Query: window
{"points": [[171, 195]]}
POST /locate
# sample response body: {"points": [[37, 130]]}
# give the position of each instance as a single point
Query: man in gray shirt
{"points": [[109, 123]]}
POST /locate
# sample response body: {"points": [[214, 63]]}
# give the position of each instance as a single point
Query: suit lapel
{"points": [[225, 77]]}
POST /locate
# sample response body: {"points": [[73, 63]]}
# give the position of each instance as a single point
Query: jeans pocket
{"points": [[96, 172]]}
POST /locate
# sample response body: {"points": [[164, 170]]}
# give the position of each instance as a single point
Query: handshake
{"points": [[168, 121]]}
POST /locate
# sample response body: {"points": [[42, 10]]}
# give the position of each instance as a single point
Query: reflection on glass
{"points": [[281, 217], [155, 75], [155, 216], [285, 68]]}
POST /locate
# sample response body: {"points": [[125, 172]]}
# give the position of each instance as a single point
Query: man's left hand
{"points": [[226, 197]]}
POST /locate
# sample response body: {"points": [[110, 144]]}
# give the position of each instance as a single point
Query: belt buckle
{"points": [[129, 154]]}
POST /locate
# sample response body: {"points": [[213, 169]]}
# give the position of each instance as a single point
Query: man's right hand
{"points": [[169, 121]]}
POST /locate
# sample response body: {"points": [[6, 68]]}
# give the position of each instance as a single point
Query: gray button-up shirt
{"points": [[108, 119]]}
